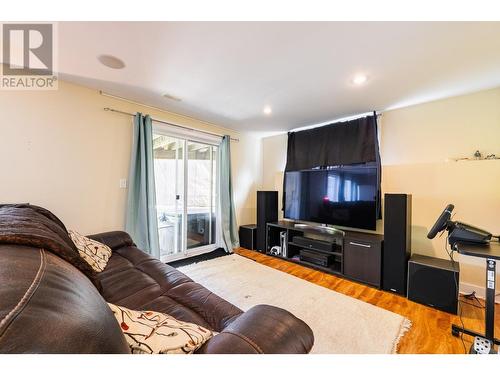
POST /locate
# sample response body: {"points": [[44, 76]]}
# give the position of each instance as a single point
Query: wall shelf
{"points": [[477, 156]]}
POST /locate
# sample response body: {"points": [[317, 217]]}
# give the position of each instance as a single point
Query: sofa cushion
{"points": [[137, 281], [152, 332], [32, 226], [49, 306]]}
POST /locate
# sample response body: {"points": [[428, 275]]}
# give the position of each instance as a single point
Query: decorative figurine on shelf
{"points": [[476, 156]]}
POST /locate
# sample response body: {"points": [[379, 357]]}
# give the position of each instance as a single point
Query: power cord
{"points": [[472, 296], [450, 254], [471, 304]]}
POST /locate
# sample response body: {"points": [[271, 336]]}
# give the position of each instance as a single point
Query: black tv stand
{"points": [[353, 255]]}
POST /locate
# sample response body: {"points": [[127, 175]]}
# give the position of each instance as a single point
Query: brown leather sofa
{"points": [[49, 306]]}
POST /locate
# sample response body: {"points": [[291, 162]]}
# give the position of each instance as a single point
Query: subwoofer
{"points": [[434, 282], [248, 236], [397, 242], [267, 212]]}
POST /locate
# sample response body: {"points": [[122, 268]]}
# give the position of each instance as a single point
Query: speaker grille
{"points": [[267, 212], [248, 236], [397, 241], [433, 285]]}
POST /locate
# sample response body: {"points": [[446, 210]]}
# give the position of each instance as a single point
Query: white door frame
{"points": [[185, 137]]}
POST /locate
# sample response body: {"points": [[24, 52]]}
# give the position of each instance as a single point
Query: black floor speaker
{"points": [[267, 212], [397, 242], [248, 236], [434, 282]]}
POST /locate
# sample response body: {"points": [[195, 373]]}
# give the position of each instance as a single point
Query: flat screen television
{"points": [[344, 196]]}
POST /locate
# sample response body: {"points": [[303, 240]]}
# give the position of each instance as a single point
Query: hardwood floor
{"points": [[431, 329]]}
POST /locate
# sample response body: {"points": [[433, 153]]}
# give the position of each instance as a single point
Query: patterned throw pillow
{"points": [[93, 252], [149, 332]]}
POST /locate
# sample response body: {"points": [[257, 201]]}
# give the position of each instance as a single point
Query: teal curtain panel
{"points": [[228, 217], [141, 221]]}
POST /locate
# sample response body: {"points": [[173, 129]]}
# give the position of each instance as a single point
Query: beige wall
{"points": [[246, 172], [415, 145], [61, 150], [273, 165]]}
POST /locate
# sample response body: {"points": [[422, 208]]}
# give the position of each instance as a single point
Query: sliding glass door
{"points": [[201, 178], [168, 153], [186, 192]]}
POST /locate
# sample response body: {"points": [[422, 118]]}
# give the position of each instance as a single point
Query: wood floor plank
{"points": [[431, 328]]}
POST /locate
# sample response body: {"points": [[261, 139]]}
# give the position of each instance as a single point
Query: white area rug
{"points": [[341, 324]]}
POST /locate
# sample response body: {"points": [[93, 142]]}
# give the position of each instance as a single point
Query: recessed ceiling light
{"points": [[171, 97], [267, 110], [359, 79], [110, 61]]}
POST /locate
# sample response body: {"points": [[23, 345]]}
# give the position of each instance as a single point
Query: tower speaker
{"points": [[434, 282], [397, 242], [267, 212]]}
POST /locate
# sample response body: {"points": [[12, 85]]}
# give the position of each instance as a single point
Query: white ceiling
{"points": [[226, 73]]}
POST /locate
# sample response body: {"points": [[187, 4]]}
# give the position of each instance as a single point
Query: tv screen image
{"points": [[343, 196]]}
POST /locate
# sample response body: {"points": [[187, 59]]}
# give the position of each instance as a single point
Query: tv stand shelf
{"points": [[318, 250], [354, 255]]}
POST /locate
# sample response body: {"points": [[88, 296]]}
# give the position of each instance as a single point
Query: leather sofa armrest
{"points": [[262, 330], [114, 240]]}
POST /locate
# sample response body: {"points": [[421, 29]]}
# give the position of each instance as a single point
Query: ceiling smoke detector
{"points": [[110, 61], [171, 97]]}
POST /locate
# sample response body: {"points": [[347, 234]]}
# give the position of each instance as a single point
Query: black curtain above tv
{"points": [[340, 143]]}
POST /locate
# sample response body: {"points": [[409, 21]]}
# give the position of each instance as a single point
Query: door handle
{"points": [[359, 244], [177, 197]]}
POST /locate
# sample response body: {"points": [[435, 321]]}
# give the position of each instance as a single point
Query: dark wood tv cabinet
{"points": [[353, 255]]}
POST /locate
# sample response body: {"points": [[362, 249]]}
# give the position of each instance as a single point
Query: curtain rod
{"points": [[331, 122], [169, 123]]}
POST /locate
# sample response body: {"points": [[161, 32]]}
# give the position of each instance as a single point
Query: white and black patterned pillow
{"points": [[93, 252], [150, 332]]}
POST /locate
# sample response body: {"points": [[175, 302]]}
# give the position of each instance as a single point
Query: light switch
{"points": [[123, 183]]}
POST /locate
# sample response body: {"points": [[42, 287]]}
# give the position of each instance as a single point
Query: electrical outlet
{"points": [[123, 183]]}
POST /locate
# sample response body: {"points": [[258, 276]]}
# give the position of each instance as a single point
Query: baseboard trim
{"points": [[466, 288]]}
